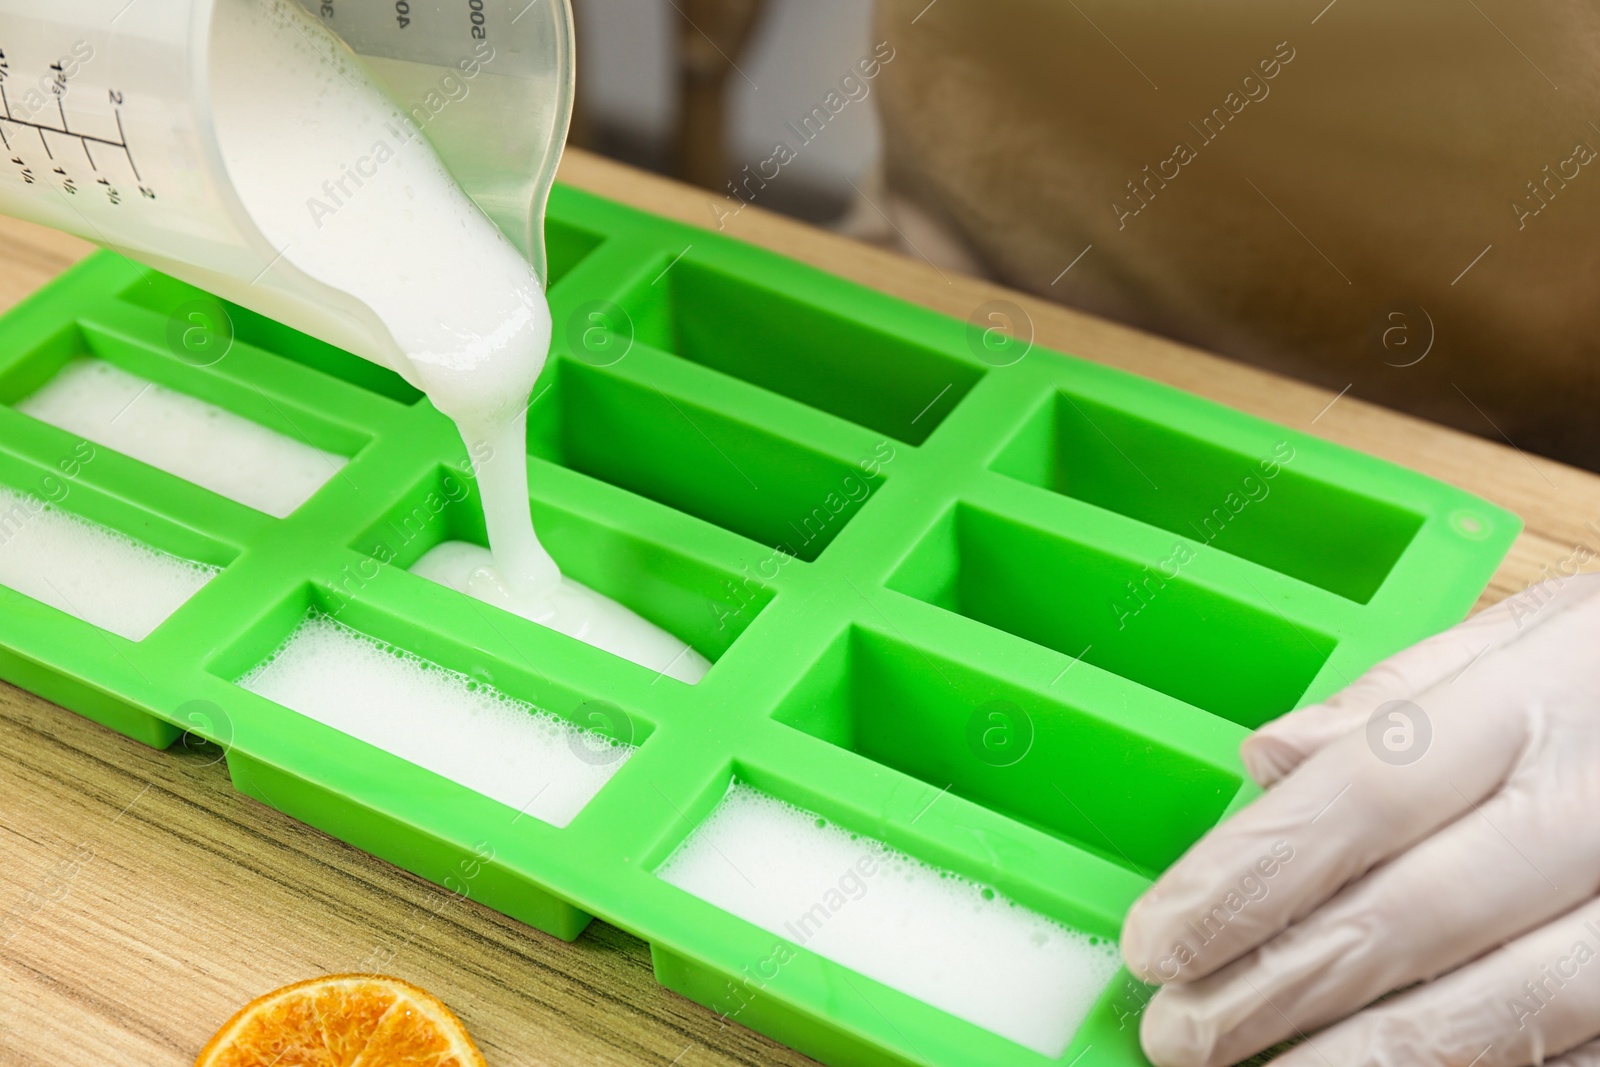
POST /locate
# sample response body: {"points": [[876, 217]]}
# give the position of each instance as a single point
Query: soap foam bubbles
{"points": [[456, 726], [197, 441], [89, 571], [931, 933]]}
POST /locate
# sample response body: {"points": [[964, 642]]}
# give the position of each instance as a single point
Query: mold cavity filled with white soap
{"points": [[571, 608], [929, 933], [295, 112], [197, 441], [441, 720], [89, 571]]}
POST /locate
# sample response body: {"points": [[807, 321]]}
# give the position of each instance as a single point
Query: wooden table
{"points": [[142, 900]]}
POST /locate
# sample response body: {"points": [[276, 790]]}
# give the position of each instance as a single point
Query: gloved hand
{"points": [[1436, 822]]}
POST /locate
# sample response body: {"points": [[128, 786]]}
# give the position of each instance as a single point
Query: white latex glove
{"points": [[1370, 865]]}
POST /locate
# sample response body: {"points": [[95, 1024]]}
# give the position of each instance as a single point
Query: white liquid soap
{"points": [[197, 441], [89, 571], [295, 113], [572, 608], [929, 933], [441, 720]]}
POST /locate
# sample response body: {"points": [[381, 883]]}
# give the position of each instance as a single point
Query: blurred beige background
{"points": [[1399, 201]]}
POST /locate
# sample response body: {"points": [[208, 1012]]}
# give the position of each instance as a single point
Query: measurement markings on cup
{"points": [[13, 123]]}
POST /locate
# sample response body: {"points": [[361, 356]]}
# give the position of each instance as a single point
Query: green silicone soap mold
{"points": [[1007, 611]]}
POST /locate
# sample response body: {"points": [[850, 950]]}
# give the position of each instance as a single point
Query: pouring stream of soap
{"points": [[294, 111]]}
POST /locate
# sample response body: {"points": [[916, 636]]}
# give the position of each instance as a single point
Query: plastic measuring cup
{"points": [[107, 132]]}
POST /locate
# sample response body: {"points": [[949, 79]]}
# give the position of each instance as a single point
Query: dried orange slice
{"points": [[343, 1020]]}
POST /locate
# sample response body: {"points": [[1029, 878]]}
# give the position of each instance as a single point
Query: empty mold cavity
{"points": [[103, 561], [1258, 508], [1217, 653], [229, 454], [434, 703], [1041, 762], [168, 296], [716, 467], [702, 605], [757, 333], [565, 246], [931, 933]]}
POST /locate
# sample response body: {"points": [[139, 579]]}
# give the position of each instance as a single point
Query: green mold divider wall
{"points": [[1005, 610]]}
